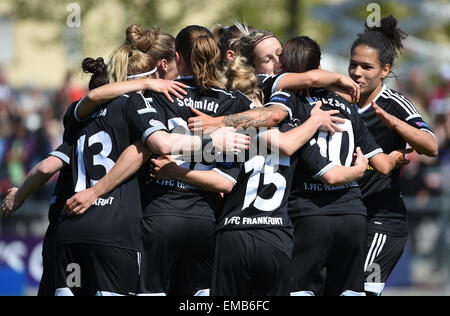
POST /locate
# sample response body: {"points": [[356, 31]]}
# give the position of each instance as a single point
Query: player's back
{"points": [[114, 219], [173, 197], [309, 195]]}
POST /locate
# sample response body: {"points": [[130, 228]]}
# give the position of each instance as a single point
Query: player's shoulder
{"points": [[284, 94], [264, 78], [391, 97]]}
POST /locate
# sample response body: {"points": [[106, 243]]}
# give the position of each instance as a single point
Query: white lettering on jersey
{"points": [[199, 105]]}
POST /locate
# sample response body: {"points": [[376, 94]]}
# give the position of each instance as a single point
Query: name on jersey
{"points": [[332, 102], [319, 187], [177, 184], [199, 105], [104, 202], [264, 220]]}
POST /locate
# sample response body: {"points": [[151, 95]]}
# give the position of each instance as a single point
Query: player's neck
{"points": [[185, 71], [366, 100]]}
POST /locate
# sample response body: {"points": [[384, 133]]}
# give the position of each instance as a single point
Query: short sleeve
{"points": [[69, 119], [142, 117], [63, 152], [287, 100], [229, 170], [313, 162], [407, 112]]}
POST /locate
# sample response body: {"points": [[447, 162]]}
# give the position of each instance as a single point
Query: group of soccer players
{"points": [[224, 163]]}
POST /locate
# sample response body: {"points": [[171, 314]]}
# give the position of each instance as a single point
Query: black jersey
{"points": [[381, 193], [310, 196], [172, 197], [63, 188], [258, 201], [268, 84], [115, 218]]}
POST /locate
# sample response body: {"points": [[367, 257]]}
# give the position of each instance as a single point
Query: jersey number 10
{"points": [[332, 146]]}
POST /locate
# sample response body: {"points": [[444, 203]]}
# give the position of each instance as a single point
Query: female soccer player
{"points": [[108, 254], [179, 221], [255, 237], [330, 221], [58, 160], [394, 122]]}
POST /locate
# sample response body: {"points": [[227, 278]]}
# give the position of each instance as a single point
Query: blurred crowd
{"points": [[425, 177], [31, 127]]}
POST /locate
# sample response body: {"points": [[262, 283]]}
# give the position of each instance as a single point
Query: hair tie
{"points": [[143, 74]]}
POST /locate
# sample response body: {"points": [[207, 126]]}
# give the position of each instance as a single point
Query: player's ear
{"points": [[163, 66], [320, 67], [230, 55], [385, 71]]}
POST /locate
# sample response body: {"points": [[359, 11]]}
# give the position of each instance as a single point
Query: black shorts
{"points": [[329, 255], [95, 270], [383, 253], [247, 266], [177, 256], [47, 286]]}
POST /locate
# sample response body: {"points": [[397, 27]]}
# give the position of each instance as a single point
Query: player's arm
{"points": [[223, 140], [321, 79], [111, 91], [421, 141], [37, 177], [385, 163], [166, 168], [258, 117], [291, 141], [268, 116], [340, 175], [129, 162]]}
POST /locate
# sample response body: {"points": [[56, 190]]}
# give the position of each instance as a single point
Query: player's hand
{"points": [[10, 204], [327, 119], [351, 87], [80, 202], [203, 122], [361, 161], [164, 168], [226, 140], [167, 87], [399, 157], [385, 117]]}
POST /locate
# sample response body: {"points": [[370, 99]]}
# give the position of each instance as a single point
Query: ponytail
{"points": [[197, 47], [118, 65]]}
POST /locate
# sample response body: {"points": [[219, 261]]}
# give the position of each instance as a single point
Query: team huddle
{"points": [[223, 163]]}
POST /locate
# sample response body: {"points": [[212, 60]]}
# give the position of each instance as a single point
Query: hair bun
{"points": [[139, 38], [94, 66], [390, 30]]}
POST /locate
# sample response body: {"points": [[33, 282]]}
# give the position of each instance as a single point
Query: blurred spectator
{"points": [[440, 97], [67, 94]]}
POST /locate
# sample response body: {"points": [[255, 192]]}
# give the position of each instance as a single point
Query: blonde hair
{"points": [[197, 46], [240, 76], [127, 61]]}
